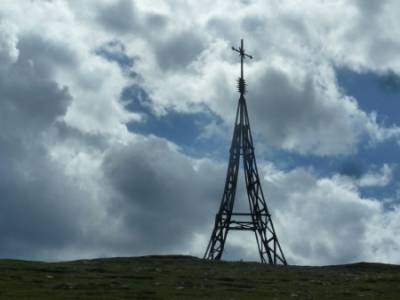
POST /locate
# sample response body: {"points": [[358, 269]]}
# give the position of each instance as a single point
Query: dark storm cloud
{"points": [[163, 199], [369, 9], [179, 50], [285, 109], [37, 201], [44, 55], [254, 24], [221, 27], [247, 2], [119, 16], [30, 104], [173, 49], [293, 115], [30, 100], [91, 141], [156, 21], [123, 17]]}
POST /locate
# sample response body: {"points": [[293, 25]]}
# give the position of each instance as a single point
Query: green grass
{"points": [[183, 277]]}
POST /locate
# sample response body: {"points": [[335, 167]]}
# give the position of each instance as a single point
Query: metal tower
{"points": [[259, 219]]}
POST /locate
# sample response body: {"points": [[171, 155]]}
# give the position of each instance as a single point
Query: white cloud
{"points": [[94, 188], [294, 95], [8, 44], [53, 82], [325, 220], [380, 178]]}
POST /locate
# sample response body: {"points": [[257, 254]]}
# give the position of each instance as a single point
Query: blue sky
{"points": [[116, 119], [375, 93]]}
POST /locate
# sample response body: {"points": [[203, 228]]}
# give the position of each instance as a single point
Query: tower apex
{"points": [[243, 55]]}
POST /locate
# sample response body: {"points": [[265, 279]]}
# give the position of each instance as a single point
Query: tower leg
{"points": [[216, 244]]}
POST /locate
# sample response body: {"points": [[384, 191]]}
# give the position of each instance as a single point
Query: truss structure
{"points": [[258, 219]]}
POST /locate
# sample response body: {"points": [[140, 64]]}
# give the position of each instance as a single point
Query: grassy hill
{"points": [[183, 277]]}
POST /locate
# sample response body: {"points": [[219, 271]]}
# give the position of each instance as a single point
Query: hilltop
{"points": [[185, 277]]}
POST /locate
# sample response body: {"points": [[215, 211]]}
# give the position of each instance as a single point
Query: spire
{"points": [[243, 55], [258, 219]]}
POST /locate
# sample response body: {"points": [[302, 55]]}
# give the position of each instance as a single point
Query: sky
{"points": [[116, 119]]}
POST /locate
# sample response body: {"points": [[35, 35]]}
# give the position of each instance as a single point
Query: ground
{"points": [[185, 277]]}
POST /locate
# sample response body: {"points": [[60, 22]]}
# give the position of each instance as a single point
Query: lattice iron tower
{"points": [[259, 219]]}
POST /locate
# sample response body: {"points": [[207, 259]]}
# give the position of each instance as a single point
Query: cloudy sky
{"points": [[116, 119]]}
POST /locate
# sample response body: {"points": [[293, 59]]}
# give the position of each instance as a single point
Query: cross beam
{"points": [[243, 55]]}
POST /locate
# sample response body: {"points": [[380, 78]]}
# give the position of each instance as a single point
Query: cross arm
{"points": [[234, 49], [241, 52]]}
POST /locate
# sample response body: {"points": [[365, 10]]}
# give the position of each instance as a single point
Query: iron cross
{"points": [[243, 55]]}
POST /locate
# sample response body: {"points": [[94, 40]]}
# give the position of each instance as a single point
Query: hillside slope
{"points": [[183, 277]]}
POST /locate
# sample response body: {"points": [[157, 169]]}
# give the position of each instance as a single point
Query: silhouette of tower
{"points": [[259, 219]]}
